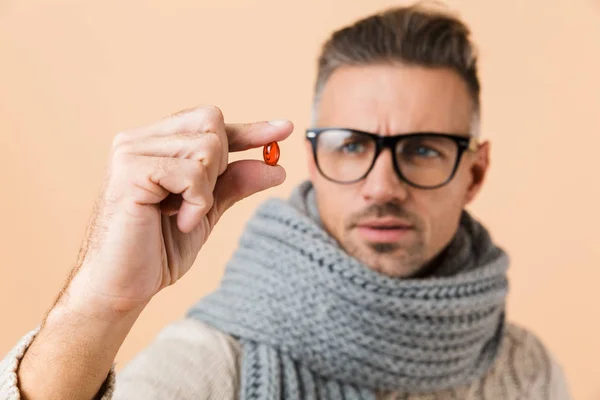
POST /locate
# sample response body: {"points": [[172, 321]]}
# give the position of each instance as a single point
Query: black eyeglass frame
{"points": [[463, 143]]}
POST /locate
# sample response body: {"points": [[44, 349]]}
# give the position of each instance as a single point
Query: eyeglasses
{"points": [[426, 160]]}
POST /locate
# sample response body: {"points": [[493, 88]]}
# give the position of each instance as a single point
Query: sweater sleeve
{"points": [[9, 366], [187, 360]]}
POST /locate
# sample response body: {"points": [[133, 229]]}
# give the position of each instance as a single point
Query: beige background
{"points": [[73, 73]]}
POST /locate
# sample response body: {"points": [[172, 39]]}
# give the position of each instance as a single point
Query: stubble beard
{"points": [[392, 259]]}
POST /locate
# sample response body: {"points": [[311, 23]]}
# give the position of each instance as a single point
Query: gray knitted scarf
{"points": [[314, 323]]}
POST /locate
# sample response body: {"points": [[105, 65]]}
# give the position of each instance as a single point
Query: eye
{"points": [[352, 147], [428, 152], [420, 149]]}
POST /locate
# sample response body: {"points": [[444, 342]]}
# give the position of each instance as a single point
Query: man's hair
{"points": [[420, 35]]}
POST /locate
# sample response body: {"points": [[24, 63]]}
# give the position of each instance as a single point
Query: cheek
{"points": [[440, 212], [328, 200], [447, 202]]}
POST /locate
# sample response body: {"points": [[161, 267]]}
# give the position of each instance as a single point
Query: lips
{"points": [[384, 230]]}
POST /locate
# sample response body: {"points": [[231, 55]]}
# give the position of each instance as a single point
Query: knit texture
{"points": [[314, 322], [190, 360]]}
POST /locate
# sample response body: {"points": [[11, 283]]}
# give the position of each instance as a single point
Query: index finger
{"points": [[248, 136]]}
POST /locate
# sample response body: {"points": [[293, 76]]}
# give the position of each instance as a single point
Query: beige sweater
{"points": [[190, 360]]}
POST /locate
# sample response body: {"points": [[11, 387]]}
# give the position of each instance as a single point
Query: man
{"points": [[371, 281]]}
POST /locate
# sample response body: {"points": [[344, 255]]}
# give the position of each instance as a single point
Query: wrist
{"points": [[79, 339], [82, 297], [85, 313], [92, 330]]}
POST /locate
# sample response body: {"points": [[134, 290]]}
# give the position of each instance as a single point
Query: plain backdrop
{"points": [[74, 73]]}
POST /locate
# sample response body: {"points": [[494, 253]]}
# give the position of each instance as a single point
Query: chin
{"points": [[387, 259], [394, 270], [398, 270]]}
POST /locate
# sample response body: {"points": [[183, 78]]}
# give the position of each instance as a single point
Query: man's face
{"points": [[390, 226]]}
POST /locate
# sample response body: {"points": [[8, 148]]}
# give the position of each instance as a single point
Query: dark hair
{"points": [[413, 35]]}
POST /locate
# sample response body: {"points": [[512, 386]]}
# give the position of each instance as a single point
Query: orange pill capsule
{"points": [[271, 153]]}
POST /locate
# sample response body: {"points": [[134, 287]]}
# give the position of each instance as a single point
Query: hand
{"points": [[166, 187]]}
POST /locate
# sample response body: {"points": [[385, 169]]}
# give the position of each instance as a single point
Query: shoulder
{"points": [[520, 345], [522, 353], [197, 334], [188, 357], [524, 369], [525, 366]]}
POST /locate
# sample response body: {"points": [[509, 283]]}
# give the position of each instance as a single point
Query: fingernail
{"points": [[278, 122]]}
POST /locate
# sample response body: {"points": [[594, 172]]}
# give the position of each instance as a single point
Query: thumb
{"points": [[242, 179]]}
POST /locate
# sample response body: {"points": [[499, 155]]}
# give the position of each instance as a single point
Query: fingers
{"points": [[242, 179], [182, 186], [150, 180], [171, 204], [210, 119], [247, 136], [181, 163], [194, 120], [190, 179], [206, 148], [182, 134]]}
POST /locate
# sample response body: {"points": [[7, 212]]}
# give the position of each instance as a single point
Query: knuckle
{"points": [[119, 139], [184, 111], [121, 170], [199, 172], [181, 142], [121, 151], [121, 160], [197, 119], [213, 118], [214, 112]]}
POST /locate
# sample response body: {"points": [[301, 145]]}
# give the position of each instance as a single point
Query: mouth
{"points": [[384, 230]]}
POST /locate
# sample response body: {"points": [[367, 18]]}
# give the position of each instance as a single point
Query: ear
{"points": [[310, 161], [478, 170]]}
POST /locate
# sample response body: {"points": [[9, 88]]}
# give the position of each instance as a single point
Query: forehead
{"points": [[395, 98]]}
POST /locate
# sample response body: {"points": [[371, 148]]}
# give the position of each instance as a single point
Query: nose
{"points": [[382, 184]]}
